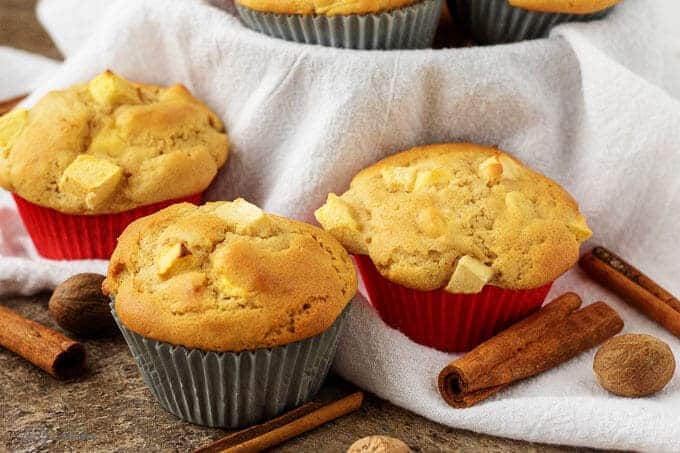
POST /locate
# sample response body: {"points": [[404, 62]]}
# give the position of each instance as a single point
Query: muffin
{"points": [[232, 315], [364, 24], [504, 21], [455, 241], [88, 160]]}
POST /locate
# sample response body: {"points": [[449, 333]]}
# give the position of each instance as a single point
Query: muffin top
{"points": [[111, 145], [564, 6], [325, 7], [225, 276], [458, 217]]}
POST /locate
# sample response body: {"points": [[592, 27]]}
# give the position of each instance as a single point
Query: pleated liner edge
{"points": [[232, 390], [445, 321], [411, 27], [61, 236], [496, 22]]}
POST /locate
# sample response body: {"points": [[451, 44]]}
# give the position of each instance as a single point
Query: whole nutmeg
{"points": [[634, 365], [378, 444], [79, 306]]}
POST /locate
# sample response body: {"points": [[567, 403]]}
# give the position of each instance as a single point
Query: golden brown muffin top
{"points": [[111, 145], [564, 6], [325, 7], [458, 217], [225, 276]]}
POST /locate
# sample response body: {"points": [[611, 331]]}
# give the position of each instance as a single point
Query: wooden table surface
{"points": [[110, 408]]}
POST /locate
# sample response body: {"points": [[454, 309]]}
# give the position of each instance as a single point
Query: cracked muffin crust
{"points": [[564, 6], [226, 276], [325, 7], [458, 217], [109, 146]]}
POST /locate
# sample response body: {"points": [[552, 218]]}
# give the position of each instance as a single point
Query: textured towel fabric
{"points": [[22, 72], [584, 107]]}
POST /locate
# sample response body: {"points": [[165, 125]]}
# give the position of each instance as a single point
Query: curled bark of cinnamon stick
{"points": [[45, 348], [634, 287], [291, 424], [553, 335]]}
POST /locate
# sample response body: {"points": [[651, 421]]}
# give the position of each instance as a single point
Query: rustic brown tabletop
{"points": [[110, 408]]}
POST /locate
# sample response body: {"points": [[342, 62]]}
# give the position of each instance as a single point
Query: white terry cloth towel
{"points": [[583, 107], [22, 72]]}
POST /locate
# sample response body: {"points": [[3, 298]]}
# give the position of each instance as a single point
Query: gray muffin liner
{"points": [[411, 27], [496, 22], [232, 390]]}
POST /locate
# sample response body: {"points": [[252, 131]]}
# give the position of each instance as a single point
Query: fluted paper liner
{"points": [[496, 22], [232, 390], [445, 321], [411, 27], [60, 236]]}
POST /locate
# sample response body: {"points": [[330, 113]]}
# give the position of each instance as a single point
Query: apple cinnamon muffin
{"points": [[455, 221], [87, 160], [249, 305], [111, 145]]}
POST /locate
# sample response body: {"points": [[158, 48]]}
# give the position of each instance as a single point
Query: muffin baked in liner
{"points": [[410, 27], [497, 22], [232, 314], [231, 390], [455, 241], [61, 236], [87, 160], [446, 321]]}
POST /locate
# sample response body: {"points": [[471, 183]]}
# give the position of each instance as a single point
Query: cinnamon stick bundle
{"points": [[634, 287], [45, 348], [553, 335]]}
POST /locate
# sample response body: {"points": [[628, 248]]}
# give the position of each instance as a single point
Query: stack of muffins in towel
{"points": [[233, 314], [411, 24]]}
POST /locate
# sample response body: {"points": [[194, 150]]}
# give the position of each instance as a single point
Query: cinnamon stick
{"points": [[285, 427], [45, 348], [634, 287], [551, 336]]}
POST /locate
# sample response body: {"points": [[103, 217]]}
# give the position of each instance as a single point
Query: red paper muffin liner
{"points": [[445, 321], [60, 236]]}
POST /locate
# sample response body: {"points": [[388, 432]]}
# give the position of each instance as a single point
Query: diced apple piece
{"points": [[337, 217], [92, 177], [499, 167], [399, 178], [169, 256], [245, 217], [580, 228], [11, 126], [432, 178], [470, 276], [511, 169], [336, 214], [110, 89], [431, 222], [491, 170], [228, 287]]}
